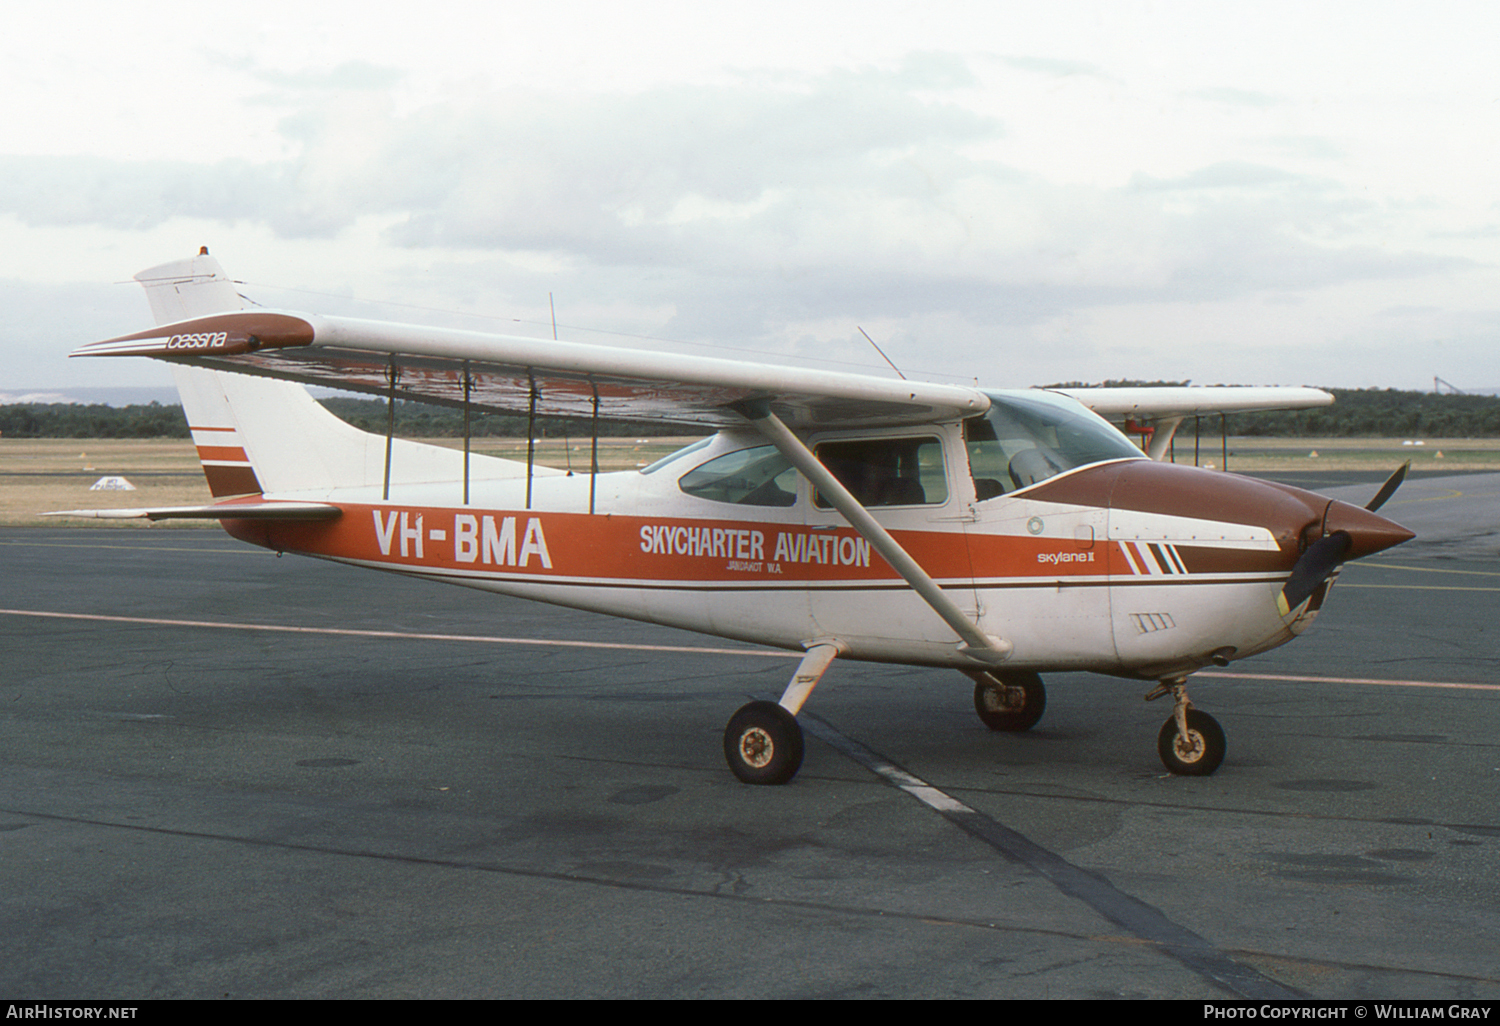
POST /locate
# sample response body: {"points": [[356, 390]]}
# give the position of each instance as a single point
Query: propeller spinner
{"points": [[1348, 533]]}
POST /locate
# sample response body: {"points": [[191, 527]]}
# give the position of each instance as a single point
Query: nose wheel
{"points": [[1191, 742], [1196, 752]]}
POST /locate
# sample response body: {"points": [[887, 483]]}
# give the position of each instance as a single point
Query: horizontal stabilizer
{"points": [[217, 511]]}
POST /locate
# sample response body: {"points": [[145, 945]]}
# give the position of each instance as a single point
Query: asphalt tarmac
{"points": [[398, 799]]}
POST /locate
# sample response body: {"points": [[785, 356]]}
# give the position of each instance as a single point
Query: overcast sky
{"points": [[1022, 193]]}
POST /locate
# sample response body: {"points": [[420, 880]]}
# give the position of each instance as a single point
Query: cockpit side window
{"points": [[887, 471], [749, 477]]}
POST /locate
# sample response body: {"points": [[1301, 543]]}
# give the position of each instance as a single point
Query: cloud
{"points": [[763, 209], [1053, 67], [41, 324], [120, 194], [1237, 97], [349, 75]]}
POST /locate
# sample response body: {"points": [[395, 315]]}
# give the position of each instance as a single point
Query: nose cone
{"points": [[1368, 532]]}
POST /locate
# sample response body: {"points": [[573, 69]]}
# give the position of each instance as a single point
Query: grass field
{"points": [[1268, 455], [52, 474], [37, 475]]}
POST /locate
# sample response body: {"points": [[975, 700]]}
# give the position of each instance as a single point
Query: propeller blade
{"points": [[1315, 566], [1389, 488]]}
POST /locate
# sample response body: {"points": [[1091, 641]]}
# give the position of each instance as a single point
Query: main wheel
{"points": [[1016, 706], [763, 744], [1199, 753]]}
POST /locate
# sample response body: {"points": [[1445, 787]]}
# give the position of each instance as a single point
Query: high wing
{"points": [[547, 377], [1163, 408], [203, 321], [1188, 401]]}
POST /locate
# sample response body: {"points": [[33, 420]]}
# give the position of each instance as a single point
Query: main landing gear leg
{"points": [[763, 743], [1191, 742]]}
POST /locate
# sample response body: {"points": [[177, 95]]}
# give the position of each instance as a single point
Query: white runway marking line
{"points": [[238, 550], [401, 635], [636, 647], [1295, 679]]}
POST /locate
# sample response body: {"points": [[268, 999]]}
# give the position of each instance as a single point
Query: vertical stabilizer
{"points": [[189, 288], [258, 435]]}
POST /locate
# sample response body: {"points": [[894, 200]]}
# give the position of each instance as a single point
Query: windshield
{"points": [[1026, 438], [673, 457]]}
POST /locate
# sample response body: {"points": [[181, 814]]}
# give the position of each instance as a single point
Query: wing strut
{"points": [[593, 445], [977, 644], [468, 391], [531, 434], [392, 375]]}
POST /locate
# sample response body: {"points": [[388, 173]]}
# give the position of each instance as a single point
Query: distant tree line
{"points": [[75, 420], [1372, 413], [413, 420], [1355, 413]]}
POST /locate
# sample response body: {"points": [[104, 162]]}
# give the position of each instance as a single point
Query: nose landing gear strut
{"points": [[1191, 742]]}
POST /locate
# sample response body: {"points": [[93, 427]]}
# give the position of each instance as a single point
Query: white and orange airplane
{"points": [[998, 533]]}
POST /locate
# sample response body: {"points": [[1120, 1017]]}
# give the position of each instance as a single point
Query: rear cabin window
{"points": [[887, 471], [749, 477]]}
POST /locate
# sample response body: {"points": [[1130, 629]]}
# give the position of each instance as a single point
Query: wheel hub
{"points": [[1189, 746], [756, 747], [1003, 699]]}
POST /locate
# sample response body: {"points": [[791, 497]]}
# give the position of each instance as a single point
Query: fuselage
{"points": [[1042, 522]]}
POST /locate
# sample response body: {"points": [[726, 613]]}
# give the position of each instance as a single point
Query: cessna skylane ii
{"points": [[1001, 534]]}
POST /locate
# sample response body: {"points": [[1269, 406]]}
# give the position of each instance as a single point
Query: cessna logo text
{"points": [[199, 340]]}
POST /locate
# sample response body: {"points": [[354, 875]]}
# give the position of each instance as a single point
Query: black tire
{"points": [[1200, 753], [763, 744], [1000, 711]]}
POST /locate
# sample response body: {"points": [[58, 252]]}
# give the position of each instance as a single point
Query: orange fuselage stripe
{"points": [[612, 548]]}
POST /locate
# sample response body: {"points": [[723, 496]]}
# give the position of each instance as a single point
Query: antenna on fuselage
{"points": [[887, 359]]}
